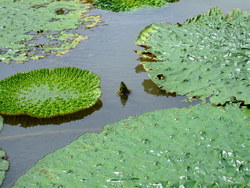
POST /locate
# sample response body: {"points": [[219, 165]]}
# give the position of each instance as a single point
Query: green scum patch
{"points": [[49, 92], [206, 56], [199, 146], [31, 30]]}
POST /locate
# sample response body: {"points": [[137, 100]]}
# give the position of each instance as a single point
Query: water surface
{"points": [[109, 53]]}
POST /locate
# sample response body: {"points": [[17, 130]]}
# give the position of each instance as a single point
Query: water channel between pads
{"points": [[109, 53]]}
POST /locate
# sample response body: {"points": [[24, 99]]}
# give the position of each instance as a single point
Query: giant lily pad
{"points": [[206, 56], [125, 5], [199, 146], [33, 29], [49, 92], [4, 163]]}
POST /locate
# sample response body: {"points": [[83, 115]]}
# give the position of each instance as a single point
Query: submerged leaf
{"points": [[207, 56], [199, 146], [33, 29], [49, 92], [125, 5]]}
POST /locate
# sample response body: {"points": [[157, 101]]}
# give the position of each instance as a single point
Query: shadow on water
{"points": [[124, 99], [139, 68], [151, 88], [27, 121]]}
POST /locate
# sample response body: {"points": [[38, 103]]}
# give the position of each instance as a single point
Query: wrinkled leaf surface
{"points": [[199, 146], [206, 56], [33, 29]]}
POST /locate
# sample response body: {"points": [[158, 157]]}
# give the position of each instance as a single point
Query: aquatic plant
{"points": [[33, 29], [49, 92], [125, 5], [206, 56], [199, 146], [4, 165]]}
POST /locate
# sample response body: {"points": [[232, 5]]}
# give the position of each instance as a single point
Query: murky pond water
{"points": [[109, 53]]}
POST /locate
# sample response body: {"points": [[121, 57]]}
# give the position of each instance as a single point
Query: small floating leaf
{"points": [[206, 56], [33, 29], [199, 146], [49, 92], [125, 5]]}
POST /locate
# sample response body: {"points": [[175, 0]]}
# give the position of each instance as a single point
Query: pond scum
{"points": [[34, 29], [198, 146]]}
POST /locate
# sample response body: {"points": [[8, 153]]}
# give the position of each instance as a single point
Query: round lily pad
{"points": [[206, 56], [49, 92], [33, 29], [199, 146], [125, 5]]}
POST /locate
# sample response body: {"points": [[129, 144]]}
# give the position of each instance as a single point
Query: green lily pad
{"points": [[199, 146], [125, 5], [49, 92], [4, 165], [33, 29], [206, 56]]}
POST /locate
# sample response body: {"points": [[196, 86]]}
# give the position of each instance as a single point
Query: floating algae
{"points": [[33, 29], [49, 92], [199, 146], [206, 56]]}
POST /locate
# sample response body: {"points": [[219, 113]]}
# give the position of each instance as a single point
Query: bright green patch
{"points": [[49, 92], [199, 146], [126, 5], [207, 56], [4, 165], [33, 29]]}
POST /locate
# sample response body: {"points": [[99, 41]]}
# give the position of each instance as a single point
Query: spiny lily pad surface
{"points": [[199, 146], [126, 5], [49, 92], [32, 29], [206, 56]]}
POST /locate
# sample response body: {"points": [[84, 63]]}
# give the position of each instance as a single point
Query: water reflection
{"points": [[123, 99], [139, 68], [151, 88], [27, 121]]}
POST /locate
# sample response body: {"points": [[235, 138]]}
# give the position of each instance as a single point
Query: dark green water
{"points": [[109, 53]]}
